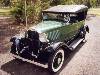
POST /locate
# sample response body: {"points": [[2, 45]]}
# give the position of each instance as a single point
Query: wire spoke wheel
{"points": [[57, 61]]}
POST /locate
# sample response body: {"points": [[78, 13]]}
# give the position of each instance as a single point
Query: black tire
{"points": [[82, 33], [56, 61], [13, 49]]}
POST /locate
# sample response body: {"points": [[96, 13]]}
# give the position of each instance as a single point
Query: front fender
{"points": [[50, 50], [55, 46]]}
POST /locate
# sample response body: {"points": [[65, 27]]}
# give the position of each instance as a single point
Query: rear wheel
{"points": [[82, 34], [56, 61]]}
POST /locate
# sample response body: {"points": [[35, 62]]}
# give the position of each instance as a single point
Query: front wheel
{"points": [[56, 60]]}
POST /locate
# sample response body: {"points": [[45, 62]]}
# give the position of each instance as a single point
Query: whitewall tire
{"points": [[56, 61]]}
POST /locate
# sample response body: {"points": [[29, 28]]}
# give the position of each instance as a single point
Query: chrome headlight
{"points": [[21, 35], [43, 37]]}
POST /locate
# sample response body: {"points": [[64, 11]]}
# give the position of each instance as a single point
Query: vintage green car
{"points": [[61, 30]]}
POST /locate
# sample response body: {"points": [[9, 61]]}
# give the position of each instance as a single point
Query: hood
{"points": [[46, 26]]}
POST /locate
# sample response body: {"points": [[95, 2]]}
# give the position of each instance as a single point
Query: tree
{"points": [[33, 9]]}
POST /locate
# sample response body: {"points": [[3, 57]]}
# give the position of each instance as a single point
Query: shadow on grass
{"points": [[17, 67]]}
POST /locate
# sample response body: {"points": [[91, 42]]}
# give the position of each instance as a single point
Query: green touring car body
{"points": [[50, 39]]}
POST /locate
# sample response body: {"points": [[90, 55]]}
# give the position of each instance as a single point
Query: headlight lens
{"points": [[21, 35], [43, 37]]}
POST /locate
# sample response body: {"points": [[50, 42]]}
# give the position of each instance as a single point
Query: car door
{"points": [[68, 31]]}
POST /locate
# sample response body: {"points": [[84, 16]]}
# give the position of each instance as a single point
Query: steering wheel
{"points": [[67, 18]]}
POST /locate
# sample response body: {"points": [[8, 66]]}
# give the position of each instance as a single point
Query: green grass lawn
{"points": [[95, 11], [5, 11]]}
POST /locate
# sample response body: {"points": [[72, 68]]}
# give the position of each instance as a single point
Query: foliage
{"points": [[18, 12], [45, 4], [34, 8], [90, 3], [6, 2], [33, 11], [32, 14]]}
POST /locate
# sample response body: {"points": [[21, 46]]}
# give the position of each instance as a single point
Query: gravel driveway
{"points": [[85, 60]]}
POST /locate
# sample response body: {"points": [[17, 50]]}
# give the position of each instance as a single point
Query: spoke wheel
{"points": [[56, 61]]}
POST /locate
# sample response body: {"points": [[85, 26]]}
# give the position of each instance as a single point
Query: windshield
{"points": [[52, 16]]}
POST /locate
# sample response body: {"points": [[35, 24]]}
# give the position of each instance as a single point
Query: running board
{"points": [[32, 62], [75, 43]]}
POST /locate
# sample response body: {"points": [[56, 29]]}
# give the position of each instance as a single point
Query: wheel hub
{"points": [[59, 61]]}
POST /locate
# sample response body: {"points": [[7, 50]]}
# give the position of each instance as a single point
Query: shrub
{"points": [[18, 13], [34, 8], [33, 12]]}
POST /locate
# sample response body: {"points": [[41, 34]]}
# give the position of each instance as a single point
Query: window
{"points": [[81, 15], [53, 16], [73, 18]]}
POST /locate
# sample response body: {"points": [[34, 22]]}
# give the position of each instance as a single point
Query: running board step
{"points": [[75, 43]]}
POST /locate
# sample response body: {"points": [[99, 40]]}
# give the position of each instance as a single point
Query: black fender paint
{"points": [[55, 46]]}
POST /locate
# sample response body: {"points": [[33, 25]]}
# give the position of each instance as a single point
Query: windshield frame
{"points": [[57, 16]]}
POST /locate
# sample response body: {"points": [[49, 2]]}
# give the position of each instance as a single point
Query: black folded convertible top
{"points": [[66, 9]]}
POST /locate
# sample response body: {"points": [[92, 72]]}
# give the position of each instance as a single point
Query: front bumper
{"points": [[33, 62]]}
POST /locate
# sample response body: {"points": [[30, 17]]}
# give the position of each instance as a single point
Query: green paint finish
{"points": [[64, 31], [47, 26], [68, 31], [58, 31]]}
